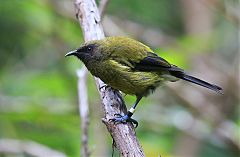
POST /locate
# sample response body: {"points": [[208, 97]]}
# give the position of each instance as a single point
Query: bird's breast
{"points": [[123, 78]]}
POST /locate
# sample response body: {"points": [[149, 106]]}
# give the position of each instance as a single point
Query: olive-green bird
{"points": [[131, 67]]}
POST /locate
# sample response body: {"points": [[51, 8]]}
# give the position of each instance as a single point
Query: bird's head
{"points": [[90, 51]]}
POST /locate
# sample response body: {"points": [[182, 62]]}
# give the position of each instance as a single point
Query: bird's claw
{"points": [[123, 119], [118, 115], [104, 86]]}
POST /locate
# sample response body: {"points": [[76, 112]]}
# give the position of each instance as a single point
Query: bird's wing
{"points": [[141, 60], [152, 62]]}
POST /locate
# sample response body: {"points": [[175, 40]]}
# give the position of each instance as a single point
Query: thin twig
{"points": [[209, 112], [102, 7], [83, 109], [29, 148]]}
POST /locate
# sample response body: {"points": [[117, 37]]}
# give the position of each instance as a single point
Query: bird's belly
{"points": [[134, 83], [123, 78]]}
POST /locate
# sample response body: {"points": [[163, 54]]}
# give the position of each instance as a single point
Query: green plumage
{"points": [[130, 66], [117, 66]]}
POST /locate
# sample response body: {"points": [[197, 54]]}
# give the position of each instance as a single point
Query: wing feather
{"points": [[152, 62]]}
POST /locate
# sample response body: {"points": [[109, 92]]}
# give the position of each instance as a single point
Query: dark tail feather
{"points": [[182, 75], [202, 83]]}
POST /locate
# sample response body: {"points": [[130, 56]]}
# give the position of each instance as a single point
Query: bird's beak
{"points": [[74, 52]]}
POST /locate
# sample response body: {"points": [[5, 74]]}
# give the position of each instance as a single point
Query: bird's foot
{"points": [[104, 86], [123, 119]]}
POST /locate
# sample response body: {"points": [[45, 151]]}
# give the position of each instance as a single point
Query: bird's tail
{"points": [[182, 75], [202, 83]]}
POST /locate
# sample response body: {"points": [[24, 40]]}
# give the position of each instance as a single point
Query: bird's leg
{"points": [[127, 117]]}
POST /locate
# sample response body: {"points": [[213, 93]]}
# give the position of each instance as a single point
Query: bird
{"points": [[130, 66]]}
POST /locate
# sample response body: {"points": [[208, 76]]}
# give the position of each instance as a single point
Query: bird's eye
{"points": [[89, 49]]}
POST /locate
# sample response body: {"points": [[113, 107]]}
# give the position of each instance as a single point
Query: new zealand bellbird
{"points": [[131, 67]]}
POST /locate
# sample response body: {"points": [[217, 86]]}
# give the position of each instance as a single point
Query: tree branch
{"points": [[102, 7], [112, 102], [14, 146], [83, 109]]}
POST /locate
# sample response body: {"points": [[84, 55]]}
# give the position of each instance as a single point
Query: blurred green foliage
{"points": [[38, 86], [169, 17]]}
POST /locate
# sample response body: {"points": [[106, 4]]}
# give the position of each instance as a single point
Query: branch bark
{"points": [[83, 109], [123, 135], [26, 148], [102, 7]]}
